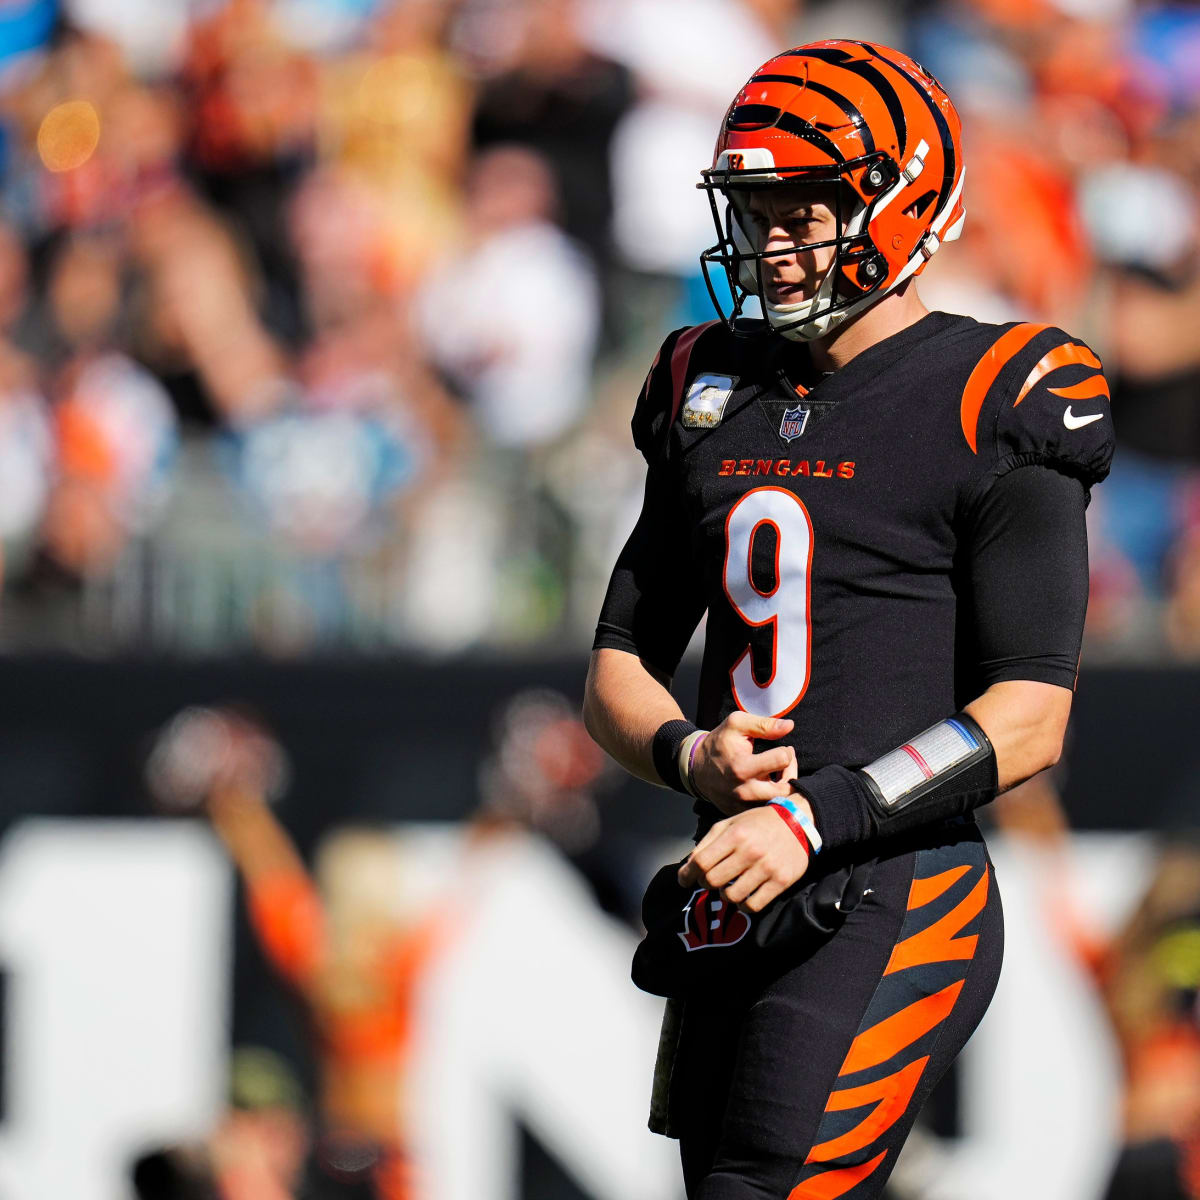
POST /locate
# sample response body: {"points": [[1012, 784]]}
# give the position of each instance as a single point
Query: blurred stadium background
{"points": [[320, 327]]}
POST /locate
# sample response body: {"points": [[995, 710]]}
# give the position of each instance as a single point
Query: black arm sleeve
{"points": [[656, 596], [1026, 573]]}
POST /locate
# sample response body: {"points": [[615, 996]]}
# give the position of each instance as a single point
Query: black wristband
{"points": [[668, 737], [841, 805]]}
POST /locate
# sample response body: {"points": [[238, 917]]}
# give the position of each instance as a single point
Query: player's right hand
{"points": [[729, 774]]}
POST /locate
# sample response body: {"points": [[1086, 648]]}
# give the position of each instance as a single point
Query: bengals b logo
{"points": [[710, 921]]}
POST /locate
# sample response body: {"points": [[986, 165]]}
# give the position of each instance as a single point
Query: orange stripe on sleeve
{"points": [[925, 890], [890, 1095], [680, 357], [831, 1184], [939, 942], [1061, 356], [1002, 352], [1095, 385], [877, 1044]]}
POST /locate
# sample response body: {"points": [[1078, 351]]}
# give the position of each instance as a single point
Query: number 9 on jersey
{"points": [[785, 607]]}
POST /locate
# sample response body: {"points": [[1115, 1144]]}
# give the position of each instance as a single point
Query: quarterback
{"points": [[881, 510]]}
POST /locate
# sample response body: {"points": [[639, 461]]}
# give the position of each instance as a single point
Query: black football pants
{"points": [[805, 1086]]}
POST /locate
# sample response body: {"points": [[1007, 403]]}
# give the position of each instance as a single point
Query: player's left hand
{"points": [[752, 858]]}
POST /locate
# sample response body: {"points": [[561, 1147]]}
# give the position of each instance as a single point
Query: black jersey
{"points": [[827, 524]]}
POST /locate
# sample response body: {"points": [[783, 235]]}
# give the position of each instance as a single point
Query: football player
{"points": [[881, 510]]}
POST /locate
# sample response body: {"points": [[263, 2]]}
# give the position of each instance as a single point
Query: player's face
{"points": [[782, 222]]}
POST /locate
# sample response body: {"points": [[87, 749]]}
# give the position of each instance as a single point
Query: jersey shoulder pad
{"points": [[1038, 395], [661, 397]]}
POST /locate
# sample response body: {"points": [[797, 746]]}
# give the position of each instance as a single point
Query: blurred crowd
{"points": [[321, 320]]}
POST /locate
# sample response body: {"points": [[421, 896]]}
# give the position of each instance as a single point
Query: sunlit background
{"points": [[321, 323]]}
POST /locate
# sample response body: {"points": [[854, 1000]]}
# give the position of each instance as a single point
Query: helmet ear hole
{"points": [[919, 208]]}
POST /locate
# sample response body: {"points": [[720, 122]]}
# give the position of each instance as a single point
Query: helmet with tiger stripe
{"points": [[868, 121]]}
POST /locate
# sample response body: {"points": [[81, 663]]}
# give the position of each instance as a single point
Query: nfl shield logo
{"points": [[794, 421]]}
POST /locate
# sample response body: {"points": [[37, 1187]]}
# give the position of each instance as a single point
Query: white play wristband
{"points": [[684, 760]]}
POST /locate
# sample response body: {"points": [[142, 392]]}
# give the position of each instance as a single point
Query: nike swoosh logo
{"points": [[1073, 422]]}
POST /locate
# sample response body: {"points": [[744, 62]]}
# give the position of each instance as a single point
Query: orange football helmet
{"points": [[869, 120]]}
